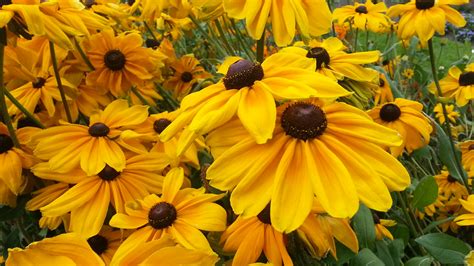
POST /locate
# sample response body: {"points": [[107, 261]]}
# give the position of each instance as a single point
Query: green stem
{"points": [[23, 109], [212, 40], [224, 39], [355, 40], [367, 40], [83, 55], [3, 105], [240, 38], [144, 101], [150, 31], [261, 48], [167, 96], [58, 81], [446, 118]]}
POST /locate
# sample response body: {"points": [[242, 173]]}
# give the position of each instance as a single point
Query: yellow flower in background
{"points": [[457, 85], [179, 214], [467, 150], [64, 249], [468, 218], [384, 93], [312, 18], [429, 16], [469, 259], [452, 114], [407, 118], [408, 73], [334, 152], [368, 16], [448, 186], [173, 26], [381, 230]]}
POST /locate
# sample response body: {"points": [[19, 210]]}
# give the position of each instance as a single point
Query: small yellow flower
{"points": [[452, 114], [408, 73]]}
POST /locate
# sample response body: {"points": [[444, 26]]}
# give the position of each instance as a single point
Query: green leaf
{"points": [[445, 248], [383, 253], [396, 248], [446, 154], [420, 261], [425, 192], [401, 231], [363, 224], [366, 257]]}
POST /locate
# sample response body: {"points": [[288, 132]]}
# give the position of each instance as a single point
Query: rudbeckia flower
{"points": [[407, 118], [428, 16], [139, 178], [457, 85], [384, 92], [249, 90], [467, 150], [452, 114], [106, 243], [334, 152], [179, 214], [252, 235], [449, 186], [92, 147], [173, 26], [119, 61], [64, 249], [468, 218], [312, 18], [368, 16], [381, 230], [330, 59]]}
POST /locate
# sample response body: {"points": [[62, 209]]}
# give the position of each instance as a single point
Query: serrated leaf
{"points": [[363, 224], [425, 192], [444, 248]]}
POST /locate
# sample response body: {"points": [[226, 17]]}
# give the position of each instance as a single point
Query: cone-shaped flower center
{"points": [[186, 76], [264, 215], [381, 83], [466, 79], [26, 122], [424, 4], [108, 173], [162, 215], [6, 143], [160, 125], [361, 9], [451, 179], [390, 112], [471, 147], [321, 55], [38, 83], [242, 73], [99, 130], [152, 43], [114, 60], [304, 121], [98, 243]]}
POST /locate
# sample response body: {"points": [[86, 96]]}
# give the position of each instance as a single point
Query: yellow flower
{"points": [[177, 213], [457, 85], [333, 151], [329, 58], [381, 225], [451, 208], [408, 73], [428, 16], [469, 259], [452, 115], [173, 26], [312, 18], [467, 150], [106, 243], [70, 145], [64, 249], [384, 92], [368, 16], [407, 118], [449, 186], [466, 219], [250, 236]]}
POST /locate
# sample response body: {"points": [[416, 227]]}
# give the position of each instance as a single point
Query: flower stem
{"points": [[224, 39], [445, 114], [261, 47], [58, 81], [144, 101], [355, 40], [83, 55], [3, 105], [150, 31], [204, 33], [23, 109]]}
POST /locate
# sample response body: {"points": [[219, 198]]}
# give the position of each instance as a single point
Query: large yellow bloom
{"points": [[333, 151], [312, 18], [177, 213], [407, 118], [457, 85], [70, 145], [428, 16], [467, 150], [368, 16], [448, 186], [468, 218]]}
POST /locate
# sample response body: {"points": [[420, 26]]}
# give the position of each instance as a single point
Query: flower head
{"points": [[368, 16], [457, 85]]}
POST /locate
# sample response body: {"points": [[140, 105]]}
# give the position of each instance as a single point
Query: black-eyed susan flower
{"points": [[367, 16], [92, 147], [179, 214], [468, 218], [106, 243], [407, 118], [311, 18], [381, 225], [452, 114], [429, 16], [334, 152], [6, 195], [457, 85], [97, 192], [173, 26], [449, 186], [452, 207], [249, 91], [251, 236], [64, 249], [384, 93], [330, 59], [467, 151], [119, 61], [408, 73]]}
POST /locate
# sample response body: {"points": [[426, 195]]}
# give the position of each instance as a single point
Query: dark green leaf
{"points": [[366, 257], [444, 248], [425, 192], [420, 261], [383, 253], [364, 227], [446, 155], [401, 231]]}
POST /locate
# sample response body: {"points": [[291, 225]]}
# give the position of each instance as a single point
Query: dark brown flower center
{"points": [[99, 130], [381, 83], [38, 83], [89, 3], [5, 2], [114, 60], [304, 121], [321, 55], [451, 179], [376, 218], [98, 243], [264, 215], [186, 76], [108, 173], [424, 4], [26, 122], [243, 73], [361, 9], [466, 79], [390, 112], [130, 2], [161, 124], [152, 43], [471, 147], [162, 215], [6, 143]]}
